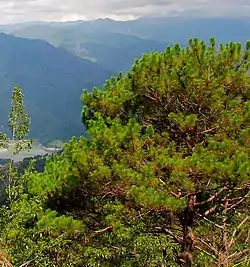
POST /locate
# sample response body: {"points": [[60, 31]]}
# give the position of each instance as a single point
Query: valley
{"points": [[35, 151], [54, 62]]}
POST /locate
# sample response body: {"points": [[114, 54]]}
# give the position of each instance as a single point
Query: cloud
{"points": [[62, 10]]}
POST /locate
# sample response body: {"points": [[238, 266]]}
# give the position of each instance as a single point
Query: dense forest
{"points": [[162, 180]]}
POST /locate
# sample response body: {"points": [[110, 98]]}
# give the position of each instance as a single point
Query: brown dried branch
{"points": [[248, 237], [3, 259], [103, 230], [176, 238], [209, 130], [208, 245], [202, 191], [211, 210], [206, 219], [239, 202], [238, 254], [211, 198], [242, 188], [246, 187], [180, 241], [169, 101], [230, 199], [235, 231], [204, 251], [26, 263]]}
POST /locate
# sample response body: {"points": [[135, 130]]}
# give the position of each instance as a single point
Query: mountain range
{"points": [[115, 44], [54, 62]]}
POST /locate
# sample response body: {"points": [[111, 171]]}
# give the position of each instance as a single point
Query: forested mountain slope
{"points": [[52, 80], [112, 50]]}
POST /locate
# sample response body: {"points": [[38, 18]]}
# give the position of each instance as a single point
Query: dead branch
{"points": [[238, 254], [211, 210], [103, 230], [239, 202], [235, 231], [206, 219], [209, 130], [211, 247], [230, 199], [208, 183], [204, 251], [248, 237], [26, 263], [4, 260], [177, 239], [246, 187], [210, 199]]}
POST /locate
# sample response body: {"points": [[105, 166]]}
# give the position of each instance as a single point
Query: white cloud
{"points": [[62, 10]]}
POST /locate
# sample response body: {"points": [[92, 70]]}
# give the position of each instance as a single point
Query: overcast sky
{"points": [[12, 11]]}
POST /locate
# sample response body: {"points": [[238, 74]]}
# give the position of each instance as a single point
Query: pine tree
{"points": [[197, 164], [164, 172], [19, 127]]}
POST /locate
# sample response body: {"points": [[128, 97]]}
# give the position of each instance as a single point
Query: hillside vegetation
{"points": [[163, 180], [53, 80]]}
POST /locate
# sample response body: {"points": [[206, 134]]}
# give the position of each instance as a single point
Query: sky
{"points": [[12, 11]]}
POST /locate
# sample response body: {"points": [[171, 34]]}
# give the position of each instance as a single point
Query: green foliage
{"points": [[163, 179], [19, 121], [197, 99], [19, 126]]}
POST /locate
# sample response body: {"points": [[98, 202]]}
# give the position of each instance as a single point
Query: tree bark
{"points": [[187, 221], [223, 252]]}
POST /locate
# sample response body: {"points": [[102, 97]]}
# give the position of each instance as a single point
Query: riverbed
{"points": [[35, 151]]}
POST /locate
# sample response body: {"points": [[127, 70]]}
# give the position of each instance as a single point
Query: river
{"points": [[35, 151]]}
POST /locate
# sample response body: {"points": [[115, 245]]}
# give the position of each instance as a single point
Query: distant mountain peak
{"points": [[104, 19]]}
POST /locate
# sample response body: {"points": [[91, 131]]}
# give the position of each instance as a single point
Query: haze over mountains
{"points": [[115, 44], [72, 56]]}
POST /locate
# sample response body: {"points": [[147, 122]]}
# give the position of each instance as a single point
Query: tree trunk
{"points": [[223, 258], [187, 220], [223, 253]]}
